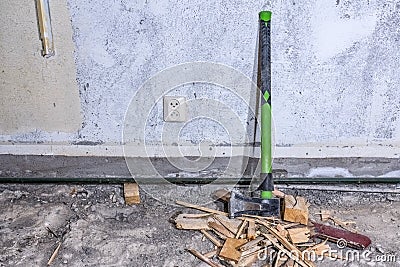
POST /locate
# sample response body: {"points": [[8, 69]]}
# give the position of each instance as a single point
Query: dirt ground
{"points": [[97, 229]]}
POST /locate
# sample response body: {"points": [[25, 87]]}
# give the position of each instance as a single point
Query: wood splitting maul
{"points": [[44, 21]]}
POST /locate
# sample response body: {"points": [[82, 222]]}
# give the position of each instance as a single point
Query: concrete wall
{"points": [[336, 71]]}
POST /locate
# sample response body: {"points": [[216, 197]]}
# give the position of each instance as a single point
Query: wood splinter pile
{"points": [[246, 240]]}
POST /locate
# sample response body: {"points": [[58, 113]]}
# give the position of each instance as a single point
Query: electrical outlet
{"points": [[175, 109]]}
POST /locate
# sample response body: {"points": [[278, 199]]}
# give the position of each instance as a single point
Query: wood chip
{"points": [[229, 251], [211, 253], [231, 224], [325, 215], [241, 228], [197, 207], [220, 229], [295, 209], [187, 222], [292, 249], [131, 193], [248, 260], [281, 229], [251, 230], [204, 259], [213, 239], [299, 235], [289, 225], [251, 243], [289, 253], [54, 255], [344, 224]]}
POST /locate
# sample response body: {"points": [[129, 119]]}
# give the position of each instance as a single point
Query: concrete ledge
{"points": [[373, 151], [114, 167]]}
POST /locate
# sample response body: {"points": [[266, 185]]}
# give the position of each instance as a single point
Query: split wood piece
{"points": [[247, 216], [320, 249], [325, 215], [131, 193], [344, 224], [299, 235], [289, 253], [231, 224], [220, 229], [211, 253], [295, 209], [248, 261], [290, 247], [55, 253], [229, 250], [251, 243], [204, 259], [282, 230], [289, 225], [241, 228], [214, 240], [197, 207], [251, 230], [281, 260], [188, 222], [252, 251]]}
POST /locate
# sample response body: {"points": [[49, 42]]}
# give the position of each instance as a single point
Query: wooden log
{"points": [[131, 193], [295, 209]]}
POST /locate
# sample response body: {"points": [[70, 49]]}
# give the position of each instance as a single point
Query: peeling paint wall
{"points": [[335, 66]]}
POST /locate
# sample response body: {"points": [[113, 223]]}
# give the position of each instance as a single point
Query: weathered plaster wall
{"points": [[336, 67], [36, 94]]}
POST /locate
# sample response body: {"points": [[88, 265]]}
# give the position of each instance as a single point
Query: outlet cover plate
{"points": [[175, 108]]}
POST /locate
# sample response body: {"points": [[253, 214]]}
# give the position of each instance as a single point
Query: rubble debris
{"points": [[131, 193], [243, 240]]}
